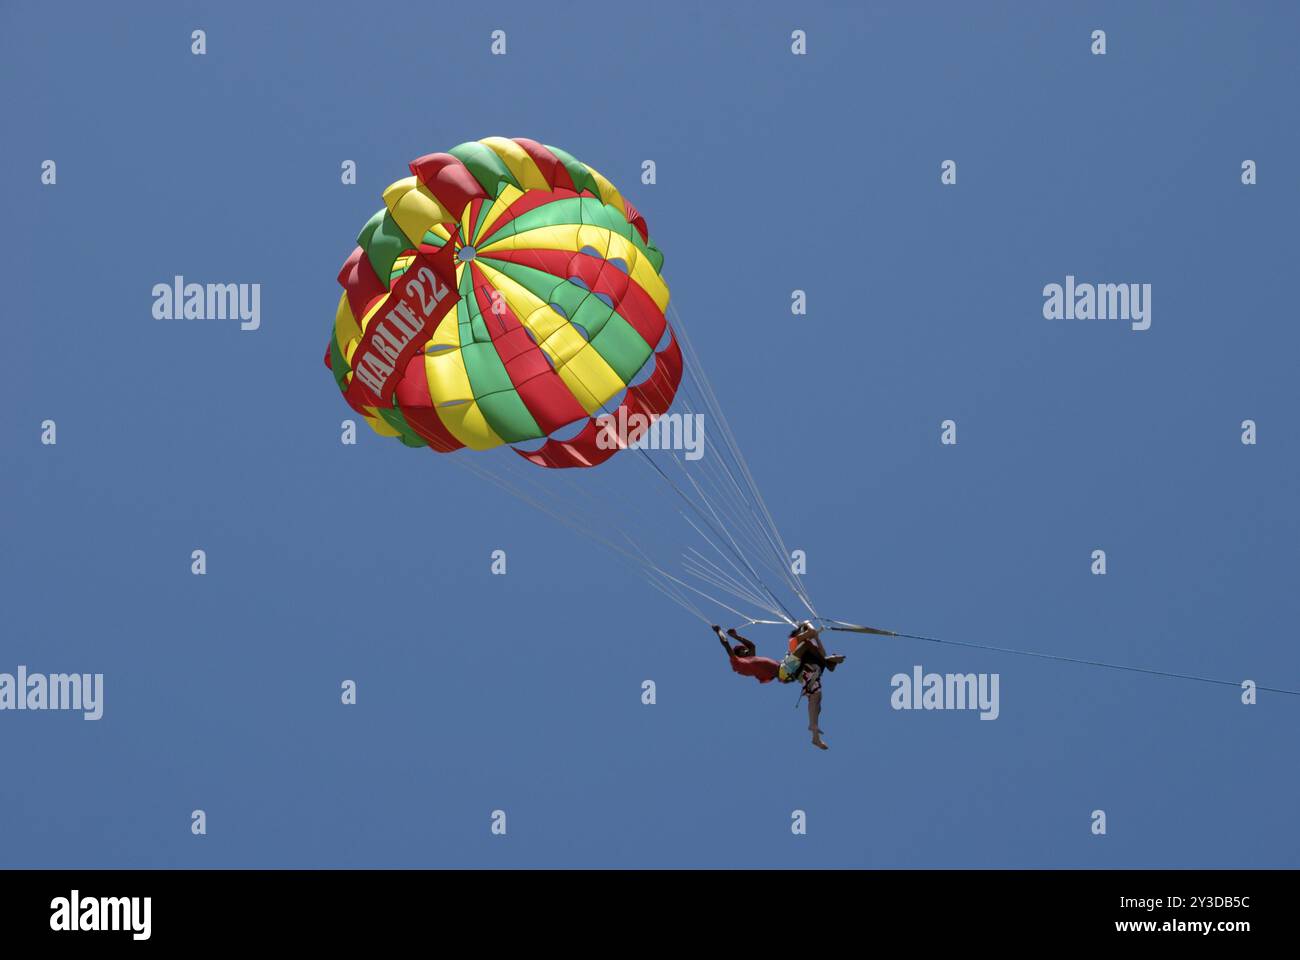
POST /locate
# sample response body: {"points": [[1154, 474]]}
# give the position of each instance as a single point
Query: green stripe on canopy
{"points": [[383, 241], [582, 178], [485, 166]]}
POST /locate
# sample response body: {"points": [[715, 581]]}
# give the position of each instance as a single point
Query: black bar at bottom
{"points": [[544, 909]]}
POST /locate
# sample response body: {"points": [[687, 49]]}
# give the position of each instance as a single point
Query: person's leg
{"points": [[812, 688], [810, 654], [814, 715]]}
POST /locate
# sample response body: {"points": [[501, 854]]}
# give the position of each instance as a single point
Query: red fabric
{"points": [[634, 217], [634, 304], [411, 294], [540, 388], [530, 200], [417, 407], [649, 399], [360, 282], [762, 669], [551, 167], [448, 180]]}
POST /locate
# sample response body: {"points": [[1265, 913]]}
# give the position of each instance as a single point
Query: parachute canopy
{"points": [[506, 294], [507, 299]]}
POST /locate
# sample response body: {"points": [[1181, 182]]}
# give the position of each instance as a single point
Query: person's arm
{"points": [[723, 640], [745, 647]]}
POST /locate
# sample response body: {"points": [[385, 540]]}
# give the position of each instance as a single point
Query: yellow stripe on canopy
{"points": [[518, 162], [414, 208], [465, 422], [370, 314], [573, 236], [381, 426], [346, 327], [533, 312], [608, 192], [507, 196], [449, 384], [543, 322], [563, 344], [446, 334], [560, 340], [589, 378], [560, 236], [584, 371]]}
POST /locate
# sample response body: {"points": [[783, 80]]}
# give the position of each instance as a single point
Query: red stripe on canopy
{"points": [[361, 284], [633, 216], [555, 172], [530, 200], [649, 399], [633, 303], [448, 180], [540, 388], [413, 400]]}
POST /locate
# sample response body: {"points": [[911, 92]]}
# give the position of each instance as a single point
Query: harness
{"points": [[791, 668], [812, 680]]}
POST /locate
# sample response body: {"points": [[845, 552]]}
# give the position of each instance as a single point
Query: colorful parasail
{"points": [[507, 294]]}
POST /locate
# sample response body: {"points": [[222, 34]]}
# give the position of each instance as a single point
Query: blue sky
{"points": [[522, 692]]}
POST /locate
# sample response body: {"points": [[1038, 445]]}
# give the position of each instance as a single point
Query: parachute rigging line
{"points": [[855, 628], [693, 372]]}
